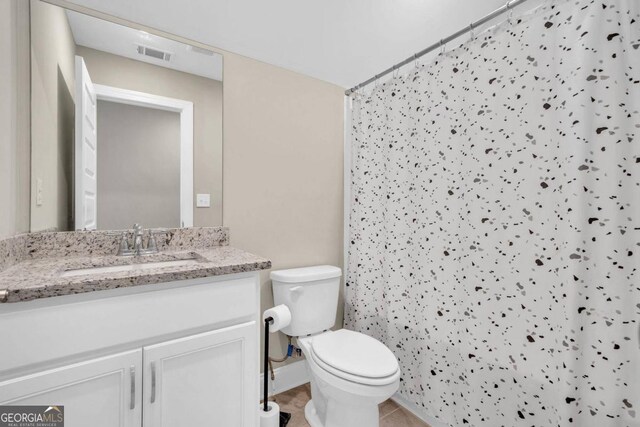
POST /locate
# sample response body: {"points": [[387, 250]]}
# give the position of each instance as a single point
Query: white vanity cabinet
{"points": [[200, 380], [98, 393], [169, 355]]}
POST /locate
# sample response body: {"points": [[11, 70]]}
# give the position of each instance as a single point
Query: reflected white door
{"points": [[86, 150]]}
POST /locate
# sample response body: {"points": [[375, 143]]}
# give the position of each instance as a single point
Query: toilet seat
{"points": [[355, 357]]}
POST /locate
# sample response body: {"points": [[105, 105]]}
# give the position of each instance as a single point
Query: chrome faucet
{"points": [[137, 246], [138, 233]]}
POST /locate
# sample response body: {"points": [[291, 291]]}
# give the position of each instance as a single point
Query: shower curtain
{"points": [[495, 222]]}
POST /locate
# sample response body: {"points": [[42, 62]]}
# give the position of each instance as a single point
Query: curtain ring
{"points": [[471, 31], [396, 71], [510, 10], [441, 47], [415, 60]]}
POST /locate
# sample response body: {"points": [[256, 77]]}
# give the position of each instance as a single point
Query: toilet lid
{"points": [[355, 353]]}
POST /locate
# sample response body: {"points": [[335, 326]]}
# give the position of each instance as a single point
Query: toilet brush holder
{"points": [[270, 415]]}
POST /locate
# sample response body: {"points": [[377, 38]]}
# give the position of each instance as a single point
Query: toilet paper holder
{"points": [[265, 396], [268, 320]]}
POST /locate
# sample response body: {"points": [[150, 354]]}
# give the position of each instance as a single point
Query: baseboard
{"points": [[287, 377], [417, 411]]}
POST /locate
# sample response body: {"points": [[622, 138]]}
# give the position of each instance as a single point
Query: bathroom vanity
{"points": [[175, 344], [126, 126]]}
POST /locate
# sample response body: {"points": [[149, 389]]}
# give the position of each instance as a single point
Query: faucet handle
{"points": [[152, 243], [123, 246]]}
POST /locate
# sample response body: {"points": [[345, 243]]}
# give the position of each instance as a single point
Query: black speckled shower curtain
{"points": [[495, 222]]}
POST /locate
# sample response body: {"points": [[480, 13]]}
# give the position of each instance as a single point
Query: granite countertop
{"points": [[45, 277], [44, 265]]}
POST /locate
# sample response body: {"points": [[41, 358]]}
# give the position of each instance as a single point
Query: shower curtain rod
{"points": [[509, 5]]}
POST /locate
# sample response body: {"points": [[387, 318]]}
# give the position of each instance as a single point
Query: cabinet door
{"points": [[204, 380], [102, 392]]}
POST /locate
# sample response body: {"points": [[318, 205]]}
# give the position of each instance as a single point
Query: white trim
{"points": [[185, 109], [418, 412], [287, 377]]}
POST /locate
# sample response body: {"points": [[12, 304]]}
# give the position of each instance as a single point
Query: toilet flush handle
{"points": [[296, 289]]}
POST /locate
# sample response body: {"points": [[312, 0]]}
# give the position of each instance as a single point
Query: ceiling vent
{"points": [[154, 53]]}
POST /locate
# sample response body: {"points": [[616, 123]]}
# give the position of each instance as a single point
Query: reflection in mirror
{"points": [[126, 126]]}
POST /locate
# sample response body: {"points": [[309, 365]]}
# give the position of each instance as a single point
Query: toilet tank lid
{"points": [[306, 274]]}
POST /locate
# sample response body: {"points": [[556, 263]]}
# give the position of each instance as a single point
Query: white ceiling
{"points": [[339, 41], [124, 41]]}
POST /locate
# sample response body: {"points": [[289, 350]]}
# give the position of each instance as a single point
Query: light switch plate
{"points": [[203, 200], [38, 191]]}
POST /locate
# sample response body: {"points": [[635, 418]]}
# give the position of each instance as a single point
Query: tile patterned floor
{"points": [[391, 414]]}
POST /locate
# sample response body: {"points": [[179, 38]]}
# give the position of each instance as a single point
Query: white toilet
{"points": [[351, 373]]}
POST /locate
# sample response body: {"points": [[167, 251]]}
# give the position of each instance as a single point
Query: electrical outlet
{"points": [[203, 200]]}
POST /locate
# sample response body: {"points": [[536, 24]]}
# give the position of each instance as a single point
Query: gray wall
{"points": [[283, 168], [138, 167], [53, 117], [206, 95], [14, 117]]}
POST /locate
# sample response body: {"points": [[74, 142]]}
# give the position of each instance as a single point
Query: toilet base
{"points": [[311, 415], [366, 417]]}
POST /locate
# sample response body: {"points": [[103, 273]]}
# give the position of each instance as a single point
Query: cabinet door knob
{"points": [[153, 382], [132, 373]]}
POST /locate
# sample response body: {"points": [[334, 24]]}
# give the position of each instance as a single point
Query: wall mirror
{"points": [[126, 126]]}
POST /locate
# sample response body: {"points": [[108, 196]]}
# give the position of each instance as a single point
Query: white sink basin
{"points": [[128, 267]]}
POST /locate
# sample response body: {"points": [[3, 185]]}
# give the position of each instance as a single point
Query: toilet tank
{"points": [[311, 294]]}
